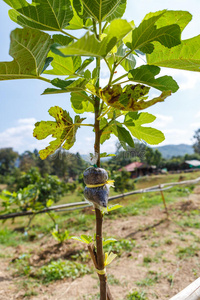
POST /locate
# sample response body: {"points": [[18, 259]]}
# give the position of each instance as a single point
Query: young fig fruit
{"points": [[96, 190]]}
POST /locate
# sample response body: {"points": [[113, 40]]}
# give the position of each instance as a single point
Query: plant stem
{"points": [[100, 254], [99, 217], [119, 78], [79, 124]]}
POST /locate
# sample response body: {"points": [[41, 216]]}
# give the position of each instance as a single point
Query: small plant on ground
{"points": [[135, 295], [151, 279], [57, 270], [60, 236]]}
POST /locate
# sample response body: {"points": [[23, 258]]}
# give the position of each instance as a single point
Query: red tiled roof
{"points": [[131, 167]]}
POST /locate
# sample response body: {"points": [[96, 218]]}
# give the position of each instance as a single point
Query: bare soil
{"points": [[152, 265]]}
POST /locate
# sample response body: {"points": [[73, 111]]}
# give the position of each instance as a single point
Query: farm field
{"points": [[156, 256]]}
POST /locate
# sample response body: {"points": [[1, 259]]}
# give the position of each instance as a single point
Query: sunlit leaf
{"points": [[100, 9], [150, 135], [146, 75], [124, 137], [81, 102], [63, 130], [105, 154], [133, 122], [147, 32], [108, 241], [170, 17], [66, 86], [88, 45], [29, 48], [83, 238], [62, 65], [185, 56], [51, 15]]}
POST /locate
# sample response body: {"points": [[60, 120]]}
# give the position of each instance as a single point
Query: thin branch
{"points": [[119, 62], [44, 79], [119, 78], [104, 27], [108, 64], [68, 34], [79, 124]]}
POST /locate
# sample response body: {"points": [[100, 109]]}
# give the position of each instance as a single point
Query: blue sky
{"points": [[21, 103]]}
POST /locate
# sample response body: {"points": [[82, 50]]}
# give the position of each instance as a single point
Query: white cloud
{"points": [[162, 121], [197, 115], [21, 137], [195, 125], [30, 121], [185, 79], [176, 136], [109, 146]]}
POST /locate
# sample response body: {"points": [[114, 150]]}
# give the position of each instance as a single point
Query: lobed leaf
{"points": [[88, 45], [63, 130], [29, 48], [124, 137], [146, 75], [170, 17], [66, 86], [147, 32], [100, 9], [185, 56], [133, 122], [51, 15]]}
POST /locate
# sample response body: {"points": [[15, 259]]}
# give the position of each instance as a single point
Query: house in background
{"points": [[139, 169], [191, 164]]}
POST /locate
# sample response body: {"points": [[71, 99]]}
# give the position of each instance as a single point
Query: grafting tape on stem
{"points": [[109, 182], [101, 272]]}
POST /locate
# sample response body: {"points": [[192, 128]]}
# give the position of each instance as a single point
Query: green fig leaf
{"points": [[29, 48], [49, 15]]}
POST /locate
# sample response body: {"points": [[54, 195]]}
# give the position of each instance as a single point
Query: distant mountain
{"points": [[175, 150]]}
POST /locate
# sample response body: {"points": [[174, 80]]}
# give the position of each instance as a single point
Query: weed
{"points": [[112, 280], [56, 270], [170, 279], [190, 222], [135, 295], [60, 236], [121, 246], [147, 259], [158, 256], [151, 279], [10, 238], [155, 244], [22, 266], [187, 251], [83, 256], [168, 242]]}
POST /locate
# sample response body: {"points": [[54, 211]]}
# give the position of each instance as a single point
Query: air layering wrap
{"points": [[97, 186]]}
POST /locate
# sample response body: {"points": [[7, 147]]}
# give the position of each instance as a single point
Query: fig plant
{"points": [[107, 41]]}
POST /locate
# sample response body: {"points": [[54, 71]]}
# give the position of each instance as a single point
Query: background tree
{"points": [[153, 157], [8, 159], [196, 145]]}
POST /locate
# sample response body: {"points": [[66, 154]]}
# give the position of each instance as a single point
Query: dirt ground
{"points": [[151, 266]]}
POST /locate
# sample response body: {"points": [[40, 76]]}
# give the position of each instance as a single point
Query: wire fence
{"points": [[84, 204]]}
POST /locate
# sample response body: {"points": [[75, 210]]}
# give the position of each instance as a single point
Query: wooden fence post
{"points": [[191, 292]]}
